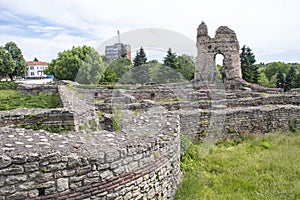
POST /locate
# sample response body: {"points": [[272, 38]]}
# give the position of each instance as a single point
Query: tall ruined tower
{"points": [[225, 43]]}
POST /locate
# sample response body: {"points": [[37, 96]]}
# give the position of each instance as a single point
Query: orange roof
{"points": [[36, 63]]}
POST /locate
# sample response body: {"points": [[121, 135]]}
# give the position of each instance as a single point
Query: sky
{"points": [[271, 28]]}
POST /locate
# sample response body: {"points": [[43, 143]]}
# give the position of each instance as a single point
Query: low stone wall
{"points": [[36, 89], [80, 103], [232, 122], [51, 119], [99, 165], [288, 99], [78, 111]]}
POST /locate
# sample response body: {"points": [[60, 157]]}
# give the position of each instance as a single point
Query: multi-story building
{"points": [[115, 51], [35, 69], [118, 49]]}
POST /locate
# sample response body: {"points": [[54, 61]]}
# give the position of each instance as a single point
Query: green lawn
{"points": [[10, 99], [261, 167]]}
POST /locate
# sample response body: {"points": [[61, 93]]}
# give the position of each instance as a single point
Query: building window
{"points": [[32, 74], [32, 68]]}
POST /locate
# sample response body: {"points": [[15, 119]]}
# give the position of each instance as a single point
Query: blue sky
{"points": [[44, 28]]}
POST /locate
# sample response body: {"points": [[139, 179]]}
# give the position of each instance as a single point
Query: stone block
{"points": [[127, 196], [13, 179], [48, 184], [18, 159], [30, 167], [93, 174], [6, 190], [18, 196], [127, 160], [133, 165], [68, 173], [44, 177], [33, 157], [74, 179], [137, 157], [29, 185], [2, 181], [112, 156], [106, 175], [13, 169], [57, 166], [33, 193], [4, 161], [115, 165], [87, 181], [62, 184]]}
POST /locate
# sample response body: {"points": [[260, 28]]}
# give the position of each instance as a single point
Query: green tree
{"points": [[141, 74], [167, 74], [121, 66], [68, 63], [289, 79], [249, 70], [109, 76], [273, 68], [171, 59], [186, 66], [143, 56], [123, 51], [115, 70], [296, 83], [280, 80], [140, 57], [90, 72], [263, 80], [7, 63], [16, 54]]}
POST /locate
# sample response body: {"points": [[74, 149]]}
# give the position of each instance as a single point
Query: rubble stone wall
{"points": [[50, 119], [36, 89], [98, 165], [234, 122]]}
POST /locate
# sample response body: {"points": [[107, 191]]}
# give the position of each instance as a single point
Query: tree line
{"points": [[271, 75], [85, 65]]}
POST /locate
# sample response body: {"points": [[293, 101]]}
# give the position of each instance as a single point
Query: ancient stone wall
{"points": [[50, 119], [80, 103], [36, 89], [225, 43], [77, 111], [98, 165], [233, 122]]}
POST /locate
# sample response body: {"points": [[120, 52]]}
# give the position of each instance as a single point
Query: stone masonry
{"points": [[225, 42], [98, 165], [140, 160]]}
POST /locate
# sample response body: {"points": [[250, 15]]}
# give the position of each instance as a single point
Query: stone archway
{"points": [[225, 42]]}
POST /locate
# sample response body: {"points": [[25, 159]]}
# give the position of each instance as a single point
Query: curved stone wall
{"points": [[98, 165]]}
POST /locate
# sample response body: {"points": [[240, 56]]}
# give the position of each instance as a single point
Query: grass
{"points": [[8, 85], [260, 167], [10, 99]]}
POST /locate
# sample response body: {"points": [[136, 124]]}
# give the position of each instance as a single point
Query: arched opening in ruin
{"points": [[219, 62]]}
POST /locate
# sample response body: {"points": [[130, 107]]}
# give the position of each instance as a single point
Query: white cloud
{"points": [[268, 27]]}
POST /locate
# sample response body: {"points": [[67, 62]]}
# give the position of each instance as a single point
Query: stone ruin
{"points": [[142, 160], [225, 43]]}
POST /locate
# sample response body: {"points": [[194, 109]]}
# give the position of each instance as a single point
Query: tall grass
{"points": [[261, 167]]}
